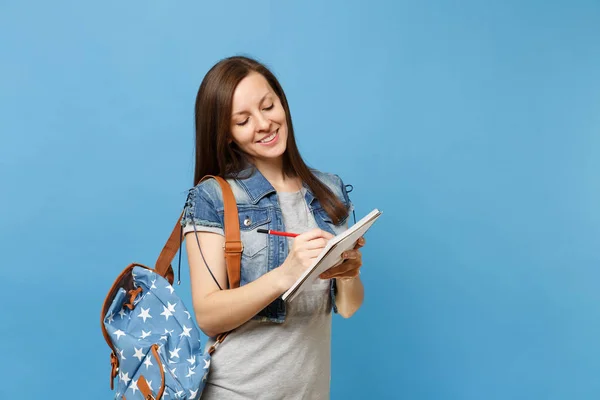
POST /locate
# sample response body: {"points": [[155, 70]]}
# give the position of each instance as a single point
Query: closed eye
{"points": [[246, 120]]}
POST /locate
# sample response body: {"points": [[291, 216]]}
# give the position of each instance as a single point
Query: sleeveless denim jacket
{"points": [[258, 207]]}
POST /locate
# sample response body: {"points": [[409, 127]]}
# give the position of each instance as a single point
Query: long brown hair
{"points": [[215, 156]]}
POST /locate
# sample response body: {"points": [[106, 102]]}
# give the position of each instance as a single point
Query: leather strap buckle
{"points": [[233, 247]]}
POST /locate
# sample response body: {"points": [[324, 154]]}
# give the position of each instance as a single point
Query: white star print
{"points": [[190, 372], [173, 372], [138, 354], [163, 338], [145, 334], [179, 393], [110, 318], [167, 313], [193, 393], [125, 377], [153, 286], [121, 354], [119, 333], [170, 288], [122, 313], [133, 386], [206, 364], [148, 363], [169, 332], [171, 307], [186, 332], [192, 360], [145, 313], [188, 314], [175, 353], [149, 385]]}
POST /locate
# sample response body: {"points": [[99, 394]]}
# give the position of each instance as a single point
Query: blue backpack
{"points": [[156, 348]]}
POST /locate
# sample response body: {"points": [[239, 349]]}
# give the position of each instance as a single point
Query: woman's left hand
{"points": [[350, 266]]}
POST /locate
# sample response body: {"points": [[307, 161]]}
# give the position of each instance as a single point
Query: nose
{"points": [[262, 123]]}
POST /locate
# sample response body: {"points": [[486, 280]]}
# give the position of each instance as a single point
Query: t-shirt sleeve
{"points": [[199, 228], [200, 212]]}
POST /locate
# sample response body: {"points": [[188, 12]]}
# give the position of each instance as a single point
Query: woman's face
{"points": [[258, 120]]}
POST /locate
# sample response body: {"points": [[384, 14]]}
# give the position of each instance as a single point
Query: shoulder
{"points": [[333, 181], [203, 204], [328, 178], [207, 187], [205, 194], [208, 191]]}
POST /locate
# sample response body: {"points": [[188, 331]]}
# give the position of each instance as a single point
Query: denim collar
{"points": [[257, 186]]}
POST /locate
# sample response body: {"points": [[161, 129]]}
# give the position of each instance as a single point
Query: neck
{"points": [[273, 172]]}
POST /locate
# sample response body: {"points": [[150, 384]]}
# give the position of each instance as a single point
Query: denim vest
{"points": [[258, 207]]}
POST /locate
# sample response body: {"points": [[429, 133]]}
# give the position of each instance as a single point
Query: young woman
{"points": [[277, 350]]}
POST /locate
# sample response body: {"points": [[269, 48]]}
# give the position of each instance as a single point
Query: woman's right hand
{"points": [[306, 247]]}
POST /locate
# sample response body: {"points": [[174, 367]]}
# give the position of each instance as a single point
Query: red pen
{"points": [[278, 233]]}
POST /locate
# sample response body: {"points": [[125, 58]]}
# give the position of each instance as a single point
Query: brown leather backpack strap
{"points": [[233, 245], [163, 263]]}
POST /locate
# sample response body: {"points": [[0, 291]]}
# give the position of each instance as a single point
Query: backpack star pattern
{"points": [[154, 331]]}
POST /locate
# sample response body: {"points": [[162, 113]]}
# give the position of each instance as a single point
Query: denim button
{"points": [[247, 221]]}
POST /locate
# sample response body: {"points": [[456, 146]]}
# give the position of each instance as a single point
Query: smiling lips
{"points": [[269, 138]]}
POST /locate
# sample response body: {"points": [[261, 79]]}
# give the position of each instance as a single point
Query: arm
{"points": [[350, 290], [350, 295], [222, 310]]}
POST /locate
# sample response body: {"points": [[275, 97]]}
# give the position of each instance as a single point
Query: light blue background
{"points": [[474, 126]]}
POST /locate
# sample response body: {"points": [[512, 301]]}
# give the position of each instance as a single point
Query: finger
{"points": [[351, 255], [314, 253], [341, 273], [351, 274], [360, 242], [317, 243], [314, 234], [343, 268], [348, 274], [332, 271], [327, 235], [309, 235]]}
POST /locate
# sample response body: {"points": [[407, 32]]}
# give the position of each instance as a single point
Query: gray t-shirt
{"points": [[263, 360]]}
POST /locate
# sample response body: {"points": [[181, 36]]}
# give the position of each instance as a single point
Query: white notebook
{"points": [[331, 255]]}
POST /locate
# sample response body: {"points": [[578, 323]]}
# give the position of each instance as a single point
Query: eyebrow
{"points": [[261, 100]]}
